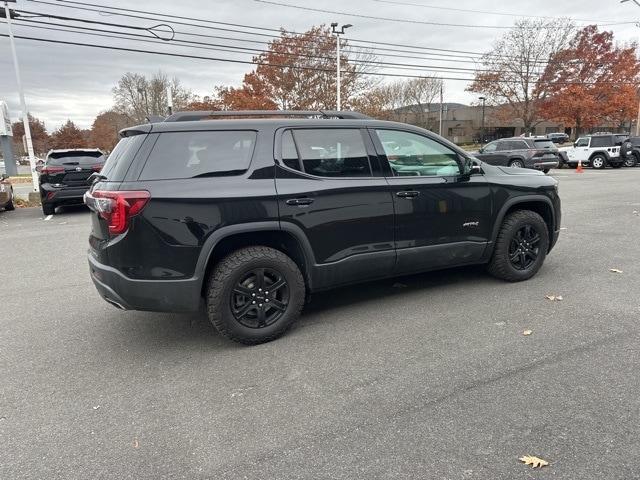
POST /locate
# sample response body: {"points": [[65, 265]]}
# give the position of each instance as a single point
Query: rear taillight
{"points": [[51, 170], [96, 168], [117, 207]]}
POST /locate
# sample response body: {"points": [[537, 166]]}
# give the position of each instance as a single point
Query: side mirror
{"points": [[481, 150]]}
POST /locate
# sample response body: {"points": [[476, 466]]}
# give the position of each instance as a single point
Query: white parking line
{"points": [[47, 218]]}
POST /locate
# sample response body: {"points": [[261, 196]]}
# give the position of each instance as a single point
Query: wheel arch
{"points": [[536, 203], [600, 152], [289, 239]]}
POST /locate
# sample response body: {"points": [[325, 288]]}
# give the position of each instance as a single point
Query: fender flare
{"points": [[515, 201], [274, 226], [602, 152]]}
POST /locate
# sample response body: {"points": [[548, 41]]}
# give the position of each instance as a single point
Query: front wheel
{"points": [[254, 295], [598, 162], [521, 247]]}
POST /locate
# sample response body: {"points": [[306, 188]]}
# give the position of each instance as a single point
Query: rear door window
{"points": [[601, 142], [330, 152], [199, 154]]}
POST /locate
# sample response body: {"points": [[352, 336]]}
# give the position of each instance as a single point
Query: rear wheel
{"points": [[254, 295], [630, 160], [516, 163], [10, 206], [598, 161], [48, 209], [521, 247]]}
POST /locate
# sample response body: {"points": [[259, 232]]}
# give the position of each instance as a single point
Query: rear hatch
{"points": [[545, 150], [72, 168]]}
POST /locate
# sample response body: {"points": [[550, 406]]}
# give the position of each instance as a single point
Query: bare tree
{"points": [[137, 96], [509, 73], [419, 94]]}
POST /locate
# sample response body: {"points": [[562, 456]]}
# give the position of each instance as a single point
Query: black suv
{"points": [[65, 176], [250, 214], [630, 151], [522, 152]]}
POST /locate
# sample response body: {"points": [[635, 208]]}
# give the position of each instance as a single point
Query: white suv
{"points": [[596, 151]]}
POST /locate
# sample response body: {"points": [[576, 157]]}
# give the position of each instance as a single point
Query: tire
{"points": [[10, 206], [630, 160], [546, 170], [598, 162], [48, 209], [501, 266], [516, 163], [616, 164], [233, 284]]}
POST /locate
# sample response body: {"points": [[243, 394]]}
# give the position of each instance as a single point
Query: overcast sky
{"points": [[75, 82]]}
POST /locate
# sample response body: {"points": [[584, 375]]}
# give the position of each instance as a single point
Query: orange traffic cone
{"points": [[579, 169]]}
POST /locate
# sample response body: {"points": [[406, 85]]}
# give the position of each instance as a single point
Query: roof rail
{"points": [[154, 119], [210, 114]]}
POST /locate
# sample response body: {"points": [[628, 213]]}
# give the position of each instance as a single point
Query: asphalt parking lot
{"points": [[428, 376]]}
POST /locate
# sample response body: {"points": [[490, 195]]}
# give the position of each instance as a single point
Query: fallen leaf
{"points": [[527, 332], [96, 407], [559, 298], [550, 297], [535, 462], [135, 443], [615, 270]]}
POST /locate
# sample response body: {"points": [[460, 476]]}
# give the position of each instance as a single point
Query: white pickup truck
{"points": [[596, 151]]}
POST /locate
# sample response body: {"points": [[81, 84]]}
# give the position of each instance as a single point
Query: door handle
{"points": [[299, 201], [408, 194]]}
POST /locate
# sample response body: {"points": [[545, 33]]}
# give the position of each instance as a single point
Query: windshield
{"points": [[75, 158]]}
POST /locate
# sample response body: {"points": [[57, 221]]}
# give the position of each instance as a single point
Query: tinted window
{"points": [[411, 154], [601, 142], [544, 144], [333, 152], [289, 152], [126, 147], [635, 141], [517, 145], [75, 158], [503, 146], [194, 154], [491, 147]]}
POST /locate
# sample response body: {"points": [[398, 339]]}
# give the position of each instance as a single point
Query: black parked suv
{"points": [[250, 214], [630, 151], [522, 152], [65, 176]]}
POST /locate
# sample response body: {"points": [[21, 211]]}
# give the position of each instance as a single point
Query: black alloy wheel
{"points": [[524, 247], [259, 298]]}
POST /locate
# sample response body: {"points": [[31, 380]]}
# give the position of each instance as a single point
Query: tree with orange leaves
{"points": [[592, 81], [68, 136]]}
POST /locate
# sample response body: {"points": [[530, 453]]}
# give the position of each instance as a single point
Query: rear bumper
{"points": [[149, 295], [546, 164], [61, 195]]}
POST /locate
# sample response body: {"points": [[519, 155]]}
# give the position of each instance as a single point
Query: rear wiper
{"points": [[96, 176]]}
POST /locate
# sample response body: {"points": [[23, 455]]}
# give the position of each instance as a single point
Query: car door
{"points": [[580, 151], [331, 191], [490, 154], [443, 216]]}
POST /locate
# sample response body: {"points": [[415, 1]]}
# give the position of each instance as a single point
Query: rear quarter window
{"points": [[544, 144], [196, 154], [601, 142]]}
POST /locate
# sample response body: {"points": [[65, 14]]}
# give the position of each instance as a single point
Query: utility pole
{"points": [[169, 100], [441, 109], [337, 33], [23, 103], [482, 124]]}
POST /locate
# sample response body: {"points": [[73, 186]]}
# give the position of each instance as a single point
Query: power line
{"points": [[283, 66], [354, 41], [233, 49], [487, 12], [398, 20]]}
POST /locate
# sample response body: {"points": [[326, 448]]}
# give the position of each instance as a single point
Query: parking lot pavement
{"points": [[426, 376]]}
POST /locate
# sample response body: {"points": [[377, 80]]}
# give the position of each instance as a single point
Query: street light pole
{"points": [[23, 103], [337, 33], [482, 124]]}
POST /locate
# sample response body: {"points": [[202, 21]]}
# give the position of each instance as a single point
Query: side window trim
{"points": [[372, 155], [387, 171]]}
